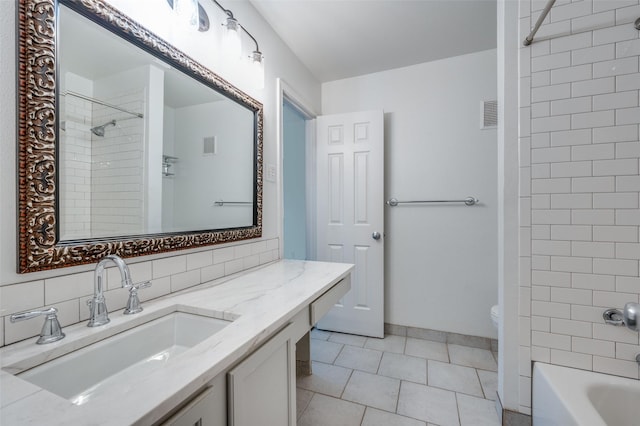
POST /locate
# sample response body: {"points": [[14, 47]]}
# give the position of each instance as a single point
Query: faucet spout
{"points": [[99, 314]]}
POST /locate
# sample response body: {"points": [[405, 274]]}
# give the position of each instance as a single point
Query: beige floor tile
{"points": [[326, 411], [303, 397], [453, 377], [477, 411], [359, 359], [427, 349], [348, 339], [326, 379], [429, 404], [324, 351], [390, 343], [403, 367], [472, 357], [489, 382], [373, 417], [320, 334], [373, 391]]}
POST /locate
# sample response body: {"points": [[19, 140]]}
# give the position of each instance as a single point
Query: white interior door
{"points": [[350, 215]]}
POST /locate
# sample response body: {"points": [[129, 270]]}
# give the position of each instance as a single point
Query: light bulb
{"points": [[232, 44], [187, 13], [257, 69]]}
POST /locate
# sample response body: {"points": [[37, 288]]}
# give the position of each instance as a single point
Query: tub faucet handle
{"points": [[630, 315]]}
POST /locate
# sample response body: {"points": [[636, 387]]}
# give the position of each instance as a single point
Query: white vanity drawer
{"points": [[322, 304]]}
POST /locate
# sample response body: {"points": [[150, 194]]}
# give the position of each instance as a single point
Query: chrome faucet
{"points": [[628, 317], [99, 315], [97, 305]]}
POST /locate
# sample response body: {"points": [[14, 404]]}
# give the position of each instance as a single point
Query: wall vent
{"points": [[489, 114], [209, 145]]}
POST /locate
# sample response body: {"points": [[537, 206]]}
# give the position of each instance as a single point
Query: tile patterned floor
{"points": [[396, 381]]}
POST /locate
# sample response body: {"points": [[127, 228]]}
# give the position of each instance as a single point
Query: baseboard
{"points": [[511, 418], [442, 336]]}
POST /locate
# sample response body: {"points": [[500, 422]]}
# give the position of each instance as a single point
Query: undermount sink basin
{"points": [[83, 374]]}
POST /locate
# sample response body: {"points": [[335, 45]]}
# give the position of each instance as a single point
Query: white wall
{"points": [[176, 268], [441, 260], [579, 186]]}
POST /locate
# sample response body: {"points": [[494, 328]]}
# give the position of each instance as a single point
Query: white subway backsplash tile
{"points": [[615, 367], [571, 169], [593, 184], [593, 119], [571, 232], [593, 87], [604, 331], [69, 293], [628, 82], [621, 234], [21, 297], [593, 54], [614, 34], [551, 278], [627, 116], [592, 249], [628, 150], [616, 267], [593, 347], [572, 106], [169, 266], [615, 100], [615, 67], [593, 281], [615, 167], [571, 359], [575, 73]]}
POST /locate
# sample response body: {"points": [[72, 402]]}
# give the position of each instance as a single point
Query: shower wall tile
{"points": [[69, 293], [582, 186]]}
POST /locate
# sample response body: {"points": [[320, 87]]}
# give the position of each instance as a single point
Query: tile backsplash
{"points": [[69, 293], [580, 186]]}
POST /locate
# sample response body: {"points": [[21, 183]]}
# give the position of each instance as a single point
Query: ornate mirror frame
{"points": [[39, 247]]}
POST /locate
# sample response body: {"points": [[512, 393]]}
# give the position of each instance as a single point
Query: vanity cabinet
{"points": [[262, 388], [208, 408]]}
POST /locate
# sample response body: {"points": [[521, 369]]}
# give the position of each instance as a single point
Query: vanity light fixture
{"points": [[232, 41]]}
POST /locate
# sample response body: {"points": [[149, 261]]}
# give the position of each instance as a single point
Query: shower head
{"points": [[99, 130]]}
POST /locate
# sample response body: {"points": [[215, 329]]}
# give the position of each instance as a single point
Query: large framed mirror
{"points": [[126, 145]]}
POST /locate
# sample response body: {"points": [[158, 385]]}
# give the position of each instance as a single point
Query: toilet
{"points": [[495, 315]]}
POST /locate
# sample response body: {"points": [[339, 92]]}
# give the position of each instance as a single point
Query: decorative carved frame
{"points": [[39, 247]]}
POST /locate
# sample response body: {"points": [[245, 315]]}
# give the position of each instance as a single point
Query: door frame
{"points": [[285, 92]]}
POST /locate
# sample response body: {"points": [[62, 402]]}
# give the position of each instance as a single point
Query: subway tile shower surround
{"points": [[69, 293], [579, 207]]}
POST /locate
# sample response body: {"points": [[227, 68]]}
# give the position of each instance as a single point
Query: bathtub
{"points": [[565, 396]]}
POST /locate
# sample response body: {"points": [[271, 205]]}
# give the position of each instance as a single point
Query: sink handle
{"points": [[51, 329], [133, 304]]}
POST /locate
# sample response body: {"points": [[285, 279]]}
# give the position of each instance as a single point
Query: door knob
{"points": [[376, 235]]}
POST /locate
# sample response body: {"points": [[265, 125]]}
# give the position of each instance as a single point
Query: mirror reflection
{"points": [[143, 147]]}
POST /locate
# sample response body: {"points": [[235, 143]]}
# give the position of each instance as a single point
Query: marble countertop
{"points": [[258, 302]]}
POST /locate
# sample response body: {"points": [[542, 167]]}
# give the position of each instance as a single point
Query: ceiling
{"points": [[338, 39]]}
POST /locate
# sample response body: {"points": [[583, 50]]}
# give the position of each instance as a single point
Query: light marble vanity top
{"points": [[259, 302]]}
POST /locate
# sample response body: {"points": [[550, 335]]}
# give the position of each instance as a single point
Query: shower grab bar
{"points": [[469, 201], [233, 203], [543, 15], [99, 102]]}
